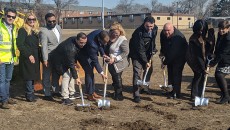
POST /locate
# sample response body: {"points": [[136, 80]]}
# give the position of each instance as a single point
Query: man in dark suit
{"points": [[88, 58], [173, 48]]}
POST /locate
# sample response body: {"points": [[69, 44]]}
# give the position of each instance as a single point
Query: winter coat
{"points": [[63, 57], [195, 56], [28, 45], [173, 48], [141, 45], [222, 51]]}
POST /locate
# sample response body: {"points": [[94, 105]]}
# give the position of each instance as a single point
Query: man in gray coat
{"points": [[50, 37]]}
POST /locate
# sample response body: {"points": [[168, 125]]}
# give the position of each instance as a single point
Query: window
{"points": [[90, 20], [131, 19], [82, 12], [81, 20], [119, 19], [180, 18], [143, 17], [90, 12], [168, 18], [99, 19], [158, 18]]}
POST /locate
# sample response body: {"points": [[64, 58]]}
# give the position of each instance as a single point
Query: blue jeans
{"points": [[6, 71], [29, 86]]}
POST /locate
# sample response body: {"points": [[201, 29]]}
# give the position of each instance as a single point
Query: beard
{"points": [[51, 25]]}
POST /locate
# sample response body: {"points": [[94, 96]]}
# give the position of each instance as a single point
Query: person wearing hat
{"points": [[198, 49]]}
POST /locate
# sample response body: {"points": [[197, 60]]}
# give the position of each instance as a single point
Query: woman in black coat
{"points": [[28, 45], [222, 53], [199, 47]]}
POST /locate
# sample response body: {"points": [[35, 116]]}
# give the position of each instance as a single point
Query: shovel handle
{"points": [[80, 89], [106, 80]]}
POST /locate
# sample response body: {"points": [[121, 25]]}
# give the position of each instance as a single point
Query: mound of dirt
{"points": [[192, 128], [93, 121], [95, 108], [138, 125]]}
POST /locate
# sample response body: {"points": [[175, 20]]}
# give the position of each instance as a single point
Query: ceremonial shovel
{"points": [[143, 82], [201, 101], [82, 98], [104, 102], [165, 87]]}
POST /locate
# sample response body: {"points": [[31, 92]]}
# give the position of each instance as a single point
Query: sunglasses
{"points": [[34, 19], [9, 16], [53, 21]]}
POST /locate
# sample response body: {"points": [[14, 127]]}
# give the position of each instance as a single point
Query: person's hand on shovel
{"points": [[148, 65], [78, 81], [104, 76]]}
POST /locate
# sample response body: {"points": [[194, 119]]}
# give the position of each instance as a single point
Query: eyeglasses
{"points": [[53, 21], [9, 16], [34, 19]]}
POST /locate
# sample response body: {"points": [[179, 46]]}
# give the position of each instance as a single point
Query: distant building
{"points": [[128, 21], [213, 21]]}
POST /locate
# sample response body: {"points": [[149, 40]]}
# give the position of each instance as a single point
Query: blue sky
{"points": [[112, 3]]}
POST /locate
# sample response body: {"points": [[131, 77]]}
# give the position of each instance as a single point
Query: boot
{"points": [[225, 98], [30, 97], [118, 96]]}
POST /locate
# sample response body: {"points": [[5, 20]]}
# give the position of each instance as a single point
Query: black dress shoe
{"points": [[224, 100], [137, 99], [48, 98]]}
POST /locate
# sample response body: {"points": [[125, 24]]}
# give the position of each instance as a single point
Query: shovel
{"points": [[201, 101], [82, 98], [103, 102], [143, 82], [165, 87]]}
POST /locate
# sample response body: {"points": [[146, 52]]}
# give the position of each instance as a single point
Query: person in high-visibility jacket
{"points": [[8, 55]]}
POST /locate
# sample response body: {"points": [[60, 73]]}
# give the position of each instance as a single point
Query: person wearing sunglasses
{"points": [[28, 45], [50, 37], [8, 55]]}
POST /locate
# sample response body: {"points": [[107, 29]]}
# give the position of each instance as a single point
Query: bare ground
{"points": [[154, 111]]}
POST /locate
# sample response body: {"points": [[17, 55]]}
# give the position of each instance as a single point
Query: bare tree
{"points": [[61, 4], [124, 6], [196, 7]]}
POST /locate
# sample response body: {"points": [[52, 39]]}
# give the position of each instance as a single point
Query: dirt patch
{"points": [[168, 104], [138, 125], [94, 109], [150, 107], [192, 128], [93, 121]]}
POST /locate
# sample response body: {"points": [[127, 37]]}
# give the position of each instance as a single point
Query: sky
{"points": [[112, 3]]}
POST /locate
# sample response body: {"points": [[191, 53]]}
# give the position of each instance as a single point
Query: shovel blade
{"points": [[168, 88], [201, 101], [102, 102], [145, 83], [139, 82], [83, 105]]}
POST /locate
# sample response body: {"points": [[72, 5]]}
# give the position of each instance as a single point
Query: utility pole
{"points": [[177, 13], [102, 16]]}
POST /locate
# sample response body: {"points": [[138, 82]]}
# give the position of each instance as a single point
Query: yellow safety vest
{"points": [[6, 44]]}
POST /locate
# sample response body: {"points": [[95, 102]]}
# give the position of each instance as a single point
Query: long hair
{"points": [[117, 26], [28, 28]]}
